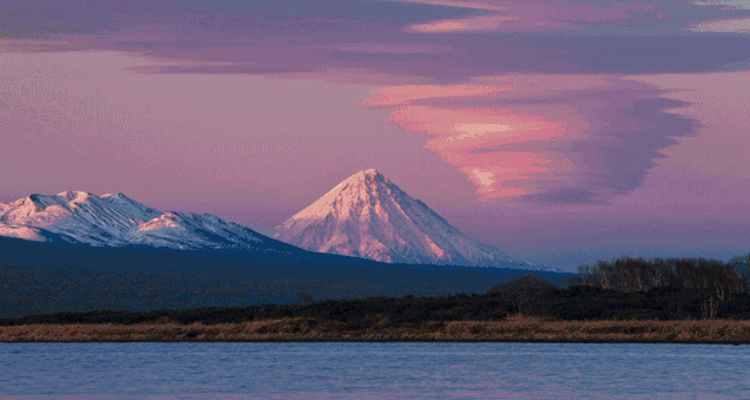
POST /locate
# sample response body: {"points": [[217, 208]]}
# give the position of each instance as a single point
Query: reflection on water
{"points": [[372, 371]]}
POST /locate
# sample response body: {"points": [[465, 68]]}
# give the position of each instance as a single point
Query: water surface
{"points": [[372, 371]]}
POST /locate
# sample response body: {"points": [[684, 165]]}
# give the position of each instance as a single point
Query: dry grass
{"points": [[302, 329]]}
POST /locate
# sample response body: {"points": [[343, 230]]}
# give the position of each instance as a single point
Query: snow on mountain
{"points": [[368, 216], [188, 230], [115, 220], [130, 207], [24, 232]]}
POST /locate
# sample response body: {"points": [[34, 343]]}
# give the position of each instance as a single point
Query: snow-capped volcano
{"points": [[368, 216], [115, 220]]}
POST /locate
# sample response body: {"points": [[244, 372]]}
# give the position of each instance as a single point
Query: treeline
{"points": [[622, 289], [354, 314], [529, 295], [718, 281]]}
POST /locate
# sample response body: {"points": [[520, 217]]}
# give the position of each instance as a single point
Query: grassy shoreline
{"points": [[310, 330]]}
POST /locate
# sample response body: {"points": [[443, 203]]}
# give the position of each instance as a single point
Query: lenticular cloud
{"points": [[549, 138]]}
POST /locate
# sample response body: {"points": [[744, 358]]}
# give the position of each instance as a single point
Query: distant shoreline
{"points": [[310, 330]]}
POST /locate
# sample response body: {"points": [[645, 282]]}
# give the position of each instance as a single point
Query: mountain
{"points": [[368, 216], [114, 220], [43, 278], [109, 252]]}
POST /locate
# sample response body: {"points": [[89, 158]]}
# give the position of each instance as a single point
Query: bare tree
{"points": [[304, 298], [524, 292], [719, 281]]}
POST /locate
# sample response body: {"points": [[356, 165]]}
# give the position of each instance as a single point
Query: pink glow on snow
{"points": [[221, 108]]}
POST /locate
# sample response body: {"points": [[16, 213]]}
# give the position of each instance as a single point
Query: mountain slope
{"points": [[114, 220], [42, 278], [368, 216]]}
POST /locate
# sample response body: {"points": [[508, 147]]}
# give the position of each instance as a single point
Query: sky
{"points": [[561, 132]]}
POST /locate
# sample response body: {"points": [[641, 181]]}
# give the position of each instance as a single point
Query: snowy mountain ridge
{"points": [[114, 220], [364, 216], [368, 216]]}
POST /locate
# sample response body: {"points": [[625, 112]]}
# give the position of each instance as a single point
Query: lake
{"points": [[372, 371]]}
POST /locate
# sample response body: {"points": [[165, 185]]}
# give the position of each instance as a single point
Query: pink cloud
{"points": [[482, 23], [539, 16], [508, 87], [510, 174], [725, 4], [477, 5], [729, 25], [389, 48], [357, 76], [471, 128], [460, 131], [548, 137], [399, 95]]}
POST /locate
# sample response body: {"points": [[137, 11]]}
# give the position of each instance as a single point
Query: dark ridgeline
{"points": [[535, 296], [60, 283], [525, 295], [44, 278]]}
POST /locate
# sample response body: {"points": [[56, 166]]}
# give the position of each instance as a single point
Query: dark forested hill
{"points": [[40, 278]]}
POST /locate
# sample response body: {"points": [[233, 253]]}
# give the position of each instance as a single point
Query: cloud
{"points": [[482, 23], [483, 179], [32, 45], [730, 25], [535, 16], [541, 138], [725, 4], [404, 39], [475, 130], [389, 48], [477, 5], [399, 95]]}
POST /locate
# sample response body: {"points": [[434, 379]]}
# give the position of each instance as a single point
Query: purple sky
{"points": [[559, 131]]}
